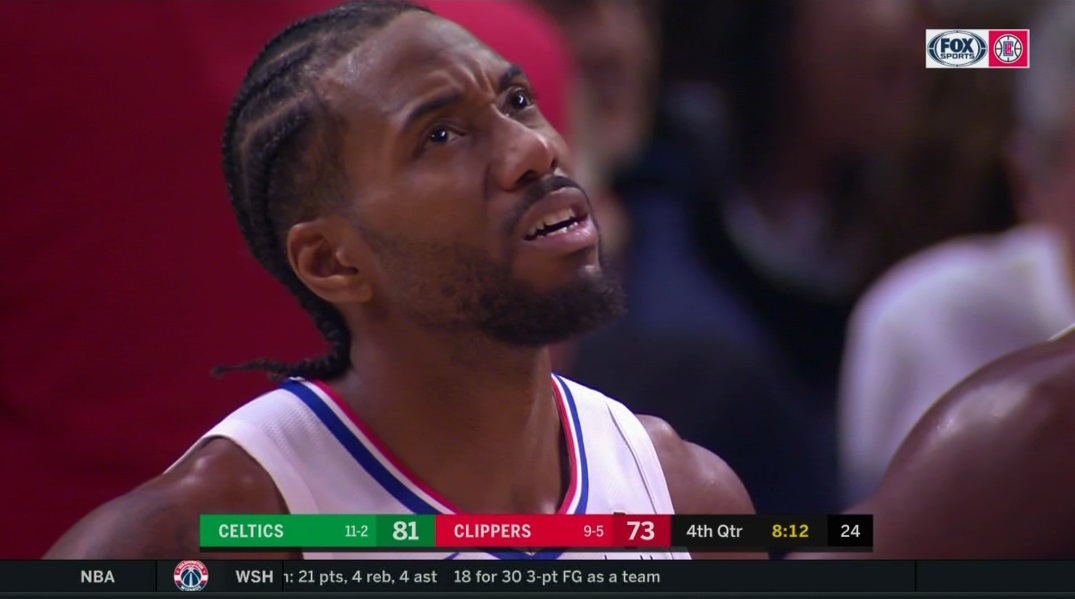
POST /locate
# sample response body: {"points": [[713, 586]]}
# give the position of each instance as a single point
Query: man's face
{"points": [[861, 97], [617, 53], [462, 209]]}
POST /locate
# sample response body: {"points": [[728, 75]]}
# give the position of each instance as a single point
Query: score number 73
{"points": [[640, 530]]}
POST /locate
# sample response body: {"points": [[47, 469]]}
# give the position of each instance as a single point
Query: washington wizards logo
{"points": [[191, 575]]}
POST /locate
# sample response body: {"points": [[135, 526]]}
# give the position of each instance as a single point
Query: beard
{"points": [[459, 289], [515, 314]]}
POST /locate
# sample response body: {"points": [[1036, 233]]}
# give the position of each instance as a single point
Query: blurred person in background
{"points": [[949, 176], [810, 119], [748, 244], [115, 155], [940, 315]]}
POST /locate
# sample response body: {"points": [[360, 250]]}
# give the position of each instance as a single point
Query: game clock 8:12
{"points": [[790, 530]]}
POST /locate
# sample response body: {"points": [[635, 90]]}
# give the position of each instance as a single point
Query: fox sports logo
{"points": [[957, 48]]}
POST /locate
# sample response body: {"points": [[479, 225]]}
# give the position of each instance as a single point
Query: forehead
{"points": [[411, 58]]}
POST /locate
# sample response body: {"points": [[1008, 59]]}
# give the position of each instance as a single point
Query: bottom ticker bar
{"points": [[529, 576], [462, 576]]}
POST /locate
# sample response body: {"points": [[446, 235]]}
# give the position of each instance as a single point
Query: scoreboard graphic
{"points": [[547, 534]]}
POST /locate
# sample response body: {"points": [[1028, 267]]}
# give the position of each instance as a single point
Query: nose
{"points": [[523, 154]]}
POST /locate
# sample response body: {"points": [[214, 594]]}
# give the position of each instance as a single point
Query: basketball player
{"points": [[397, 177]]}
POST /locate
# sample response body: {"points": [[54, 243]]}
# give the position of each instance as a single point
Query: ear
{"points": [[316, 252]]}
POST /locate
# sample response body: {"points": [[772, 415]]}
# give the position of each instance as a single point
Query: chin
{"points": [[567, 270], [585, 275]]}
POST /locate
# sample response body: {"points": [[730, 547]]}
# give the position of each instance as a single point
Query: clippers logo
{"points": [[977, 48], [1010, 49], [955, 48]]}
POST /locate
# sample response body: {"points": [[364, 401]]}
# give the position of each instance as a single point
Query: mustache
{"points": [[536, 193]]}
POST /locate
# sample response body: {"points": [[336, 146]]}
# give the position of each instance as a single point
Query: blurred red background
{"points": [[124, 276]]}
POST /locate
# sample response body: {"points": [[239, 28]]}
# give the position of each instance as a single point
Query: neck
{"points": [[474, 419]]}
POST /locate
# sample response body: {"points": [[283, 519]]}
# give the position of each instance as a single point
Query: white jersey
{"points": [[324, 460]]}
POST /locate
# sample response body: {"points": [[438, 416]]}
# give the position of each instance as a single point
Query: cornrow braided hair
{"points": [[280, 160]]}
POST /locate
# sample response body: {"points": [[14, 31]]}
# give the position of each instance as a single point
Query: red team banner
{"points": [[556, 530]]}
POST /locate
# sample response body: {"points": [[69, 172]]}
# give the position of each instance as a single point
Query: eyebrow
{"points": [[444, 100], [509, 75]]}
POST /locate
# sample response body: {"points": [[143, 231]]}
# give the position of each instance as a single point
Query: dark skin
{"points": [[473, 417], [986, 473]]}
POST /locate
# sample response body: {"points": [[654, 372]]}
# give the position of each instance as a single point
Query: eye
{"points": [[520, 99], [439, 135]]}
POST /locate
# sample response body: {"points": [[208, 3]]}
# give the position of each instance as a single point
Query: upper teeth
{"points": [[551, 219]]}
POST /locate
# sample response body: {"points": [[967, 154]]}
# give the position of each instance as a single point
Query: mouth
{"points": [[557, 224], [559, 216]]}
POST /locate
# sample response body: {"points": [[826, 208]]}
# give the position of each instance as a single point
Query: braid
{"points": [[274, 124]]}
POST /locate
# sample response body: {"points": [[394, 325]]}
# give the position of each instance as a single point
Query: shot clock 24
{"points": [[850, 531]]}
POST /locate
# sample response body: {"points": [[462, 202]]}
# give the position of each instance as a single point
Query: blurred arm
{"points": [[160, 519]]}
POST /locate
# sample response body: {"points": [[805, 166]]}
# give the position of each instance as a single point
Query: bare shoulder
{"points": [[1028, 395], [159, 520], [988, 451], [698, 480]]}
